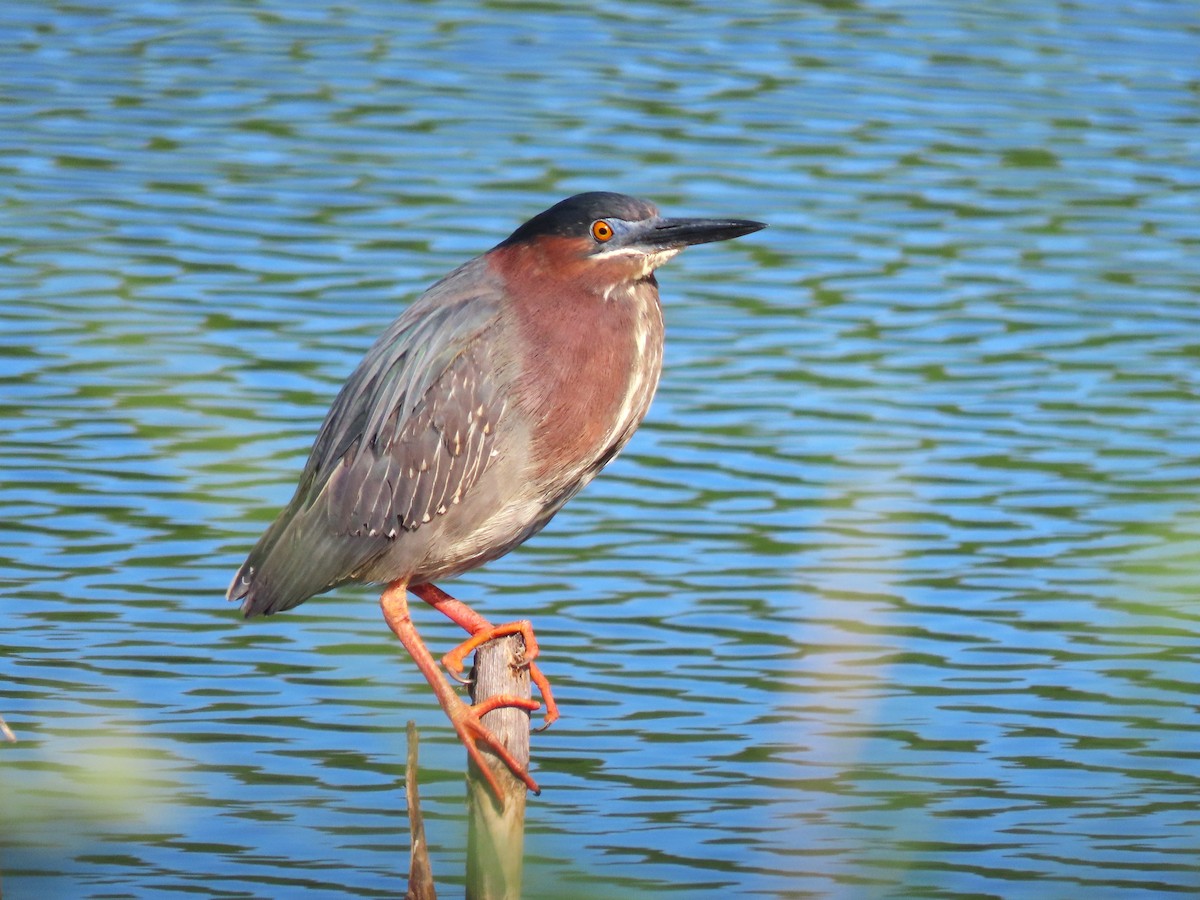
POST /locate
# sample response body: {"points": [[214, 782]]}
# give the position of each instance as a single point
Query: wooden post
{"points": [[496, 837]]}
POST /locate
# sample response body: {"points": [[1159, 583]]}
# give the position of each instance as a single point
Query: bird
{"points": [[493, 399]]}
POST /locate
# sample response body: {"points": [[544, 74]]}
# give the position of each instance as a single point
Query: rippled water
{"points": [[893, 595]]}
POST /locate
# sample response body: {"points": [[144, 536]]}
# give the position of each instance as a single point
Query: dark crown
{"points": [[571, 217]]}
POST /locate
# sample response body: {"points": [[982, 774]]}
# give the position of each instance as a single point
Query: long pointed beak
{"points": [[671, 234]]}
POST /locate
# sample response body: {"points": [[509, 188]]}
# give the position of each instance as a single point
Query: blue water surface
{"points": [[893, 595]]}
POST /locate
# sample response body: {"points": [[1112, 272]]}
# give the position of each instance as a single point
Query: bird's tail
{"points": [[282, 570]]}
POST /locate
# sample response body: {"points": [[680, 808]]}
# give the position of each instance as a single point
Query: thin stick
{"points": [[496, 836], [6, 732], [420, 873]]}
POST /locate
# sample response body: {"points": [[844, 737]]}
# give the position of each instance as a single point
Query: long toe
{"points": [[543, 686], [473, 733], [504, 701], [455, 661]]}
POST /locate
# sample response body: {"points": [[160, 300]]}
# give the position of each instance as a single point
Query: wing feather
{"points": [[409, 434]]}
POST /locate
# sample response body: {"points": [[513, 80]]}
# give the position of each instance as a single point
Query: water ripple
{"points": [[891, 596]]}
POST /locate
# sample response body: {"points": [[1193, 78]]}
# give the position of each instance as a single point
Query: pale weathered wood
{"points": [[496, 836], [420, 873]]}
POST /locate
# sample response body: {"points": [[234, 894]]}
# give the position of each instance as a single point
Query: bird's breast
{"points": [[589, 366]]}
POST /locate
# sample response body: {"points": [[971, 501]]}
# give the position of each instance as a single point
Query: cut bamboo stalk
{"points": [[496, 836]]}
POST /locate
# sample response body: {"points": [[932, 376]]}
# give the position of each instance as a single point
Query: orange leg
{"points": [[465, 719], [482, 631]]}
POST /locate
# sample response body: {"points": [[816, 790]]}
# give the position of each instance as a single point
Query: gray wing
{"points": [[413, 459], [408, 435], [412, 429]]}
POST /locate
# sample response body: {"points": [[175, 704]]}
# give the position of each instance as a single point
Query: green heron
{"points": [[483, 408]]}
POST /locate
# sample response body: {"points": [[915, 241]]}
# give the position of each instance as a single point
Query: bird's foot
{"points": [[466, 720], [454, 661], [472, 732]]}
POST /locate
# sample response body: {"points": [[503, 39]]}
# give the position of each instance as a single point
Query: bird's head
{"points": [[612, 239]]}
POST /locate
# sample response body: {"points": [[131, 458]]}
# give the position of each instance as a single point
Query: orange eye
{"points": [[602, 231]]}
